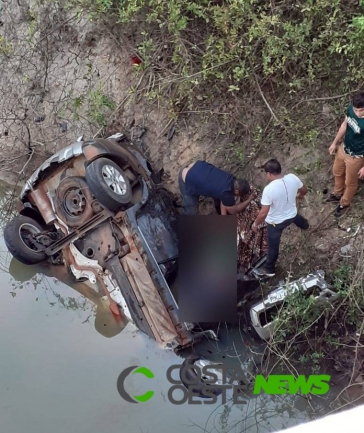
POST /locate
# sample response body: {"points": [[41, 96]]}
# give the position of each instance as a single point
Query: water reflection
{"points": [[48, 283], [90, 302]]}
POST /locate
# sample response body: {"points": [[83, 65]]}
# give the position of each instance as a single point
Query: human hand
{"points": [[361, 173], [300, 196], [249, 199], [332, 148], [251, 196]]}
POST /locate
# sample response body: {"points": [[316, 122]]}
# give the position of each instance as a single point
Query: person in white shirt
{"points": [[279, 210]]}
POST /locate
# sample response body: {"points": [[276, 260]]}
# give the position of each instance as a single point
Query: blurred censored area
{"points": [[207, 268]]}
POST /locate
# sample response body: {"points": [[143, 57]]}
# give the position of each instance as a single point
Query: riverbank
{"points": [[64, 75]]}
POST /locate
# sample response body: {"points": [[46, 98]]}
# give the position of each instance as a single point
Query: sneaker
{"points": [[332, 198], [262, 272], [341, 211]]}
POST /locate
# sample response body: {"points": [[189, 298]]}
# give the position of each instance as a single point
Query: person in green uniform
{"points": [[349, 160]]}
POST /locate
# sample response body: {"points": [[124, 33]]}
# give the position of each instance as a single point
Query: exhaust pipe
{"points": [[44, 204]]}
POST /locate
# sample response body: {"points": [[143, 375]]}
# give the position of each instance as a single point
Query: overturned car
{"points": [[98, 207]]}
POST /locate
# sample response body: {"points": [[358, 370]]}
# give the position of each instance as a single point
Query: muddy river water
{"points": [[61, 352]]}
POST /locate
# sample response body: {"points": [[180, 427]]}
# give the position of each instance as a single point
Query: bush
{"points": [[229, 43]]}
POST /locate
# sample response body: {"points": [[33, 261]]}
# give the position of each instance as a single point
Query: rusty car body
{"points": [[98, 207]]}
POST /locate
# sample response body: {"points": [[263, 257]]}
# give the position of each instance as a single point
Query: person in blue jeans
{"points": [[279, 210], [203, 179]]}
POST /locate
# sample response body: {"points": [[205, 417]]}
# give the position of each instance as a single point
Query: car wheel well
{"points": [[32, 213], [115, 158], [19, 237], [121, 162]]}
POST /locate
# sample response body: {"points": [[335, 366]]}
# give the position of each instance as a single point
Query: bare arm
{"points": [[302, 192], [261, 215], [233, 210], [223, 210], [339, 137]]}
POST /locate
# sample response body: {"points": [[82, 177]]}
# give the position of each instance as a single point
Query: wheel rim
{"points": [[26, 234], [114, 179], [74, 202]]}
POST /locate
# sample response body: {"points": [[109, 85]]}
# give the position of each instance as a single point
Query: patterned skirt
{"points": [[251, 246]]}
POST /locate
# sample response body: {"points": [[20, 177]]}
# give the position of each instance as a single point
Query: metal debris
{"points": [[313, 283]]}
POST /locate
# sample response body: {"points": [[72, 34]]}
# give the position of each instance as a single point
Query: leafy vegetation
{"points": [[5, 46], [230, 43], [309, 331]]}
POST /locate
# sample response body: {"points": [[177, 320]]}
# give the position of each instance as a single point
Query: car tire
{"points": [[191, 375], [17, 236], [108, 183], [74, 201]]}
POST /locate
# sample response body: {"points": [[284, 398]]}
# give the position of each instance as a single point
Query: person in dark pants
{"points": [[203, 179], [279, 211]]}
